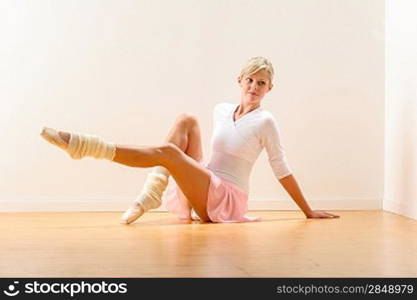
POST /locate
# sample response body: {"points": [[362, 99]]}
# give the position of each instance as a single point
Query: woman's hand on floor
{"points": [[320, 214]]}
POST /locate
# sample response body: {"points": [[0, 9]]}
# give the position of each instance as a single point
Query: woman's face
{"points": [[255, 86]]}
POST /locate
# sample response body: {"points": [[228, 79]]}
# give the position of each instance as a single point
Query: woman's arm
{"points": [[270, 139], [291, 186]]}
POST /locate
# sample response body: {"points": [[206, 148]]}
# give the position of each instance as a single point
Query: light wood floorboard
{"points": [[284, 244]]}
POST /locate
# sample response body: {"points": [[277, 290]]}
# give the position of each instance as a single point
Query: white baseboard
{"points": [[401, 209], [96, 204]]}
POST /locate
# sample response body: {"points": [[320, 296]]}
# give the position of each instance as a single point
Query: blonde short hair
{"points": [[254, 64]]}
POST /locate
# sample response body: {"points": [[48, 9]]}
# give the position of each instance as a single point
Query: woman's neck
{"points": [[244, 108]]}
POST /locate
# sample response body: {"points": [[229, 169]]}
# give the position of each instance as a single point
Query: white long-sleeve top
{"points": [[236, 145]]}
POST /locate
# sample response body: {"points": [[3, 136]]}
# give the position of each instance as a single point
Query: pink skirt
{"points": [[226, 202]]}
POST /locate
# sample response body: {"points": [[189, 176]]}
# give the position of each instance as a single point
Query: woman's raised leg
{"points": [[191, 177]]}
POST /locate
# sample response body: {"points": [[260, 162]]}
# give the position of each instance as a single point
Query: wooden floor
{"points": [[284, 244]]}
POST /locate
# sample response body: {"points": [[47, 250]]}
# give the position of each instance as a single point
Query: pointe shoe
{"points": [[194, 216], [52, 136], [132, 214]]}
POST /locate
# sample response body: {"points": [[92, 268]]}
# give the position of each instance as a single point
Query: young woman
{"points": [[216, 191]]}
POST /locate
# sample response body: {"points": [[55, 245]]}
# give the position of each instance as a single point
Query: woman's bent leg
{"points": [[191, 177], [185, 134]]}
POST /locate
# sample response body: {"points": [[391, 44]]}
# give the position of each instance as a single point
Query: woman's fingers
{"points": [[322, 215], [332, 215]]}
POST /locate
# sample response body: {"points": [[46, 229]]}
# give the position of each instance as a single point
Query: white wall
{"points": [[124, 69], [401, 114]]}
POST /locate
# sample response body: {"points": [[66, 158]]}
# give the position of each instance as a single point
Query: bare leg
{"points": [[190, 176], [180, 155], [185, 133]]}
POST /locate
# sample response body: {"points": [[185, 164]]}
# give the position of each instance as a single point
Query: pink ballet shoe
{"points": [[132, 214], [52, 136]]}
